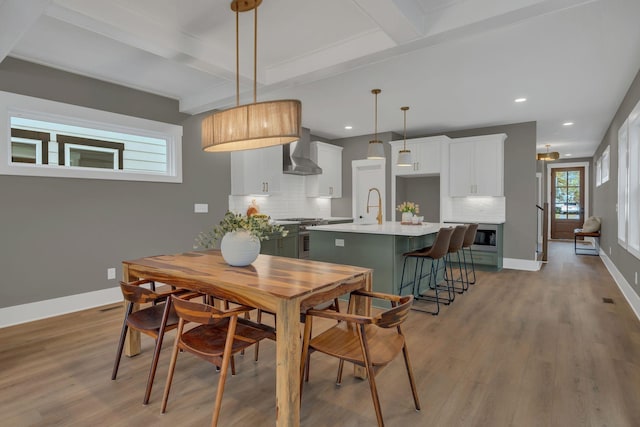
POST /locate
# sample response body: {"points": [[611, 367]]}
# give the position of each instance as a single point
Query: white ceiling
{"points": [[457, 63]]}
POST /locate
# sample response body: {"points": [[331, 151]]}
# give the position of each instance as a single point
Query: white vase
{"points": [[406, 217], [239, 248]]}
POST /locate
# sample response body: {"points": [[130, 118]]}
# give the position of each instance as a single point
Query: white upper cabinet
{"points": [[425, 153], [329, 183], [256, 172], [476, 166]]}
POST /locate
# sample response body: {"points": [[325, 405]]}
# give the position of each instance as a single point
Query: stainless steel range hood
{"points": [[297, 156]]}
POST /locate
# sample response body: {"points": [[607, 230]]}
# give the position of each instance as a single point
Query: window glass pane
{"points": [[573, 178], [97, 148], [24, 152]]}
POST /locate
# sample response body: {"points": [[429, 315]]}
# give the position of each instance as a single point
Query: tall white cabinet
{"points": [[476, 166], [256, 172], [329, 183]]}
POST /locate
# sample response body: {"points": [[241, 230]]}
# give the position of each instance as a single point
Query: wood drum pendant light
{"points": [[404, 156], [376, 148], [255, 125]]}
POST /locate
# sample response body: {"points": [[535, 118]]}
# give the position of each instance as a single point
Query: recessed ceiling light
{"points": [[520, 100], [568, 155], [567, 124], [348, 127]]}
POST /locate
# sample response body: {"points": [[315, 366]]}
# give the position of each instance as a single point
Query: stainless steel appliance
{"points": [[303, 233], [486, 238]]}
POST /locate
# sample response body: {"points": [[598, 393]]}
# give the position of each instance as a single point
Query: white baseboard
{"points": [[54, 307], [629, 293], [521, 264]]}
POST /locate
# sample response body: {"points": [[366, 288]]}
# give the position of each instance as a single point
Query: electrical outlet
{"points": [[201, 208], [340, 242], [111, 273]]}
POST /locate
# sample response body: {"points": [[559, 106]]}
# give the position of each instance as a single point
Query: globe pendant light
{"points": [[255, 125], [376, 148], [404, 156]]}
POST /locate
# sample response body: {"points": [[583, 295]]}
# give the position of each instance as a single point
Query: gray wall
{"points": [[425, 191], [60, 235], [519, 181], [605, 197]]}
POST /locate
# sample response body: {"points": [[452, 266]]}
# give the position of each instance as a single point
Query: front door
{"points": [[567, 201]]}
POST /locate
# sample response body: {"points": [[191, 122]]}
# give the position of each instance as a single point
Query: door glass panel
{"points": [[567, 195]]}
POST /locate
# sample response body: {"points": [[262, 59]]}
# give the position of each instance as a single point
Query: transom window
{"points": [[85, 143]]}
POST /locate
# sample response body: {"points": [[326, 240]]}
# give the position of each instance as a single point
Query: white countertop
{"points": [[389, 228]]}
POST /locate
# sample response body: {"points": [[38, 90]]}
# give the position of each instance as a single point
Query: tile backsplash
{"points": [[290, 202]]}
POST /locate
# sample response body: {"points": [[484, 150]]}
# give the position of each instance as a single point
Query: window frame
{"points": [[629, 183], [15, 105]]}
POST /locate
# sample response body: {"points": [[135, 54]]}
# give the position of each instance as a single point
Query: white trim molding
{"points": [[24, 313], [627, 290], [521, 264]]}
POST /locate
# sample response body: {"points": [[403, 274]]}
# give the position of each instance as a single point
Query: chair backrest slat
{"points": [[395, 315], [195, 311], [137, 294]]}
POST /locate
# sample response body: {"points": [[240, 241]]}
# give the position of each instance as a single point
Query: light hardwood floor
{"points": [[519, 349]]}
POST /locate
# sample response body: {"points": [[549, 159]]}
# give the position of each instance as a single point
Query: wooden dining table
{"points": [[283, 286]]}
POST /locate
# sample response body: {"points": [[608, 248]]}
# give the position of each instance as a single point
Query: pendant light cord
{"points": [[255, 54], [237, 56], [405, 129]]}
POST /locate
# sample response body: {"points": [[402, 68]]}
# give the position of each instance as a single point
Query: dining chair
{"points": [[219, 334], [328, 305], [154, 321], [368, 341]]}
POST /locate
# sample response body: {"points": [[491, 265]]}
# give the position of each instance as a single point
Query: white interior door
{"points": [[367, 175]]}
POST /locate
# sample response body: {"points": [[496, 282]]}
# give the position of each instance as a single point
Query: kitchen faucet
{"points": [[379, 216]]}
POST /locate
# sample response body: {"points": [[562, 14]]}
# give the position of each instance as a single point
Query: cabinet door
{"points": [[476, 166], [427, 156], [289, 246], [329, 183], [461, 175], [256, 171], [489, 164]]}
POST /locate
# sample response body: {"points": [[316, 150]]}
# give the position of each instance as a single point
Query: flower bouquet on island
{"points": [[408, 210]]}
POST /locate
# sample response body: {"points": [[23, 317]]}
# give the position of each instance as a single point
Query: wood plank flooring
{"points": [[519, 349]]}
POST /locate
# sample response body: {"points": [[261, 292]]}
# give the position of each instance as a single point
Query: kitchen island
{"points": [[379, 247]]}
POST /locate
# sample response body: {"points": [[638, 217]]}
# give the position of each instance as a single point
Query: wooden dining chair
{"points": [[219, 335], [327, 305], [368, 341], [154, 321]]}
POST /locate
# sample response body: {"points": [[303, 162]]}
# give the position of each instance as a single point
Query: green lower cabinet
{"points": [[380, 252], [282, 246]]}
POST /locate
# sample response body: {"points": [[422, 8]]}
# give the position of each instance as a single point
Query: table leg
{"points": [[288, 349], [363, 306], [132, 342]]}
